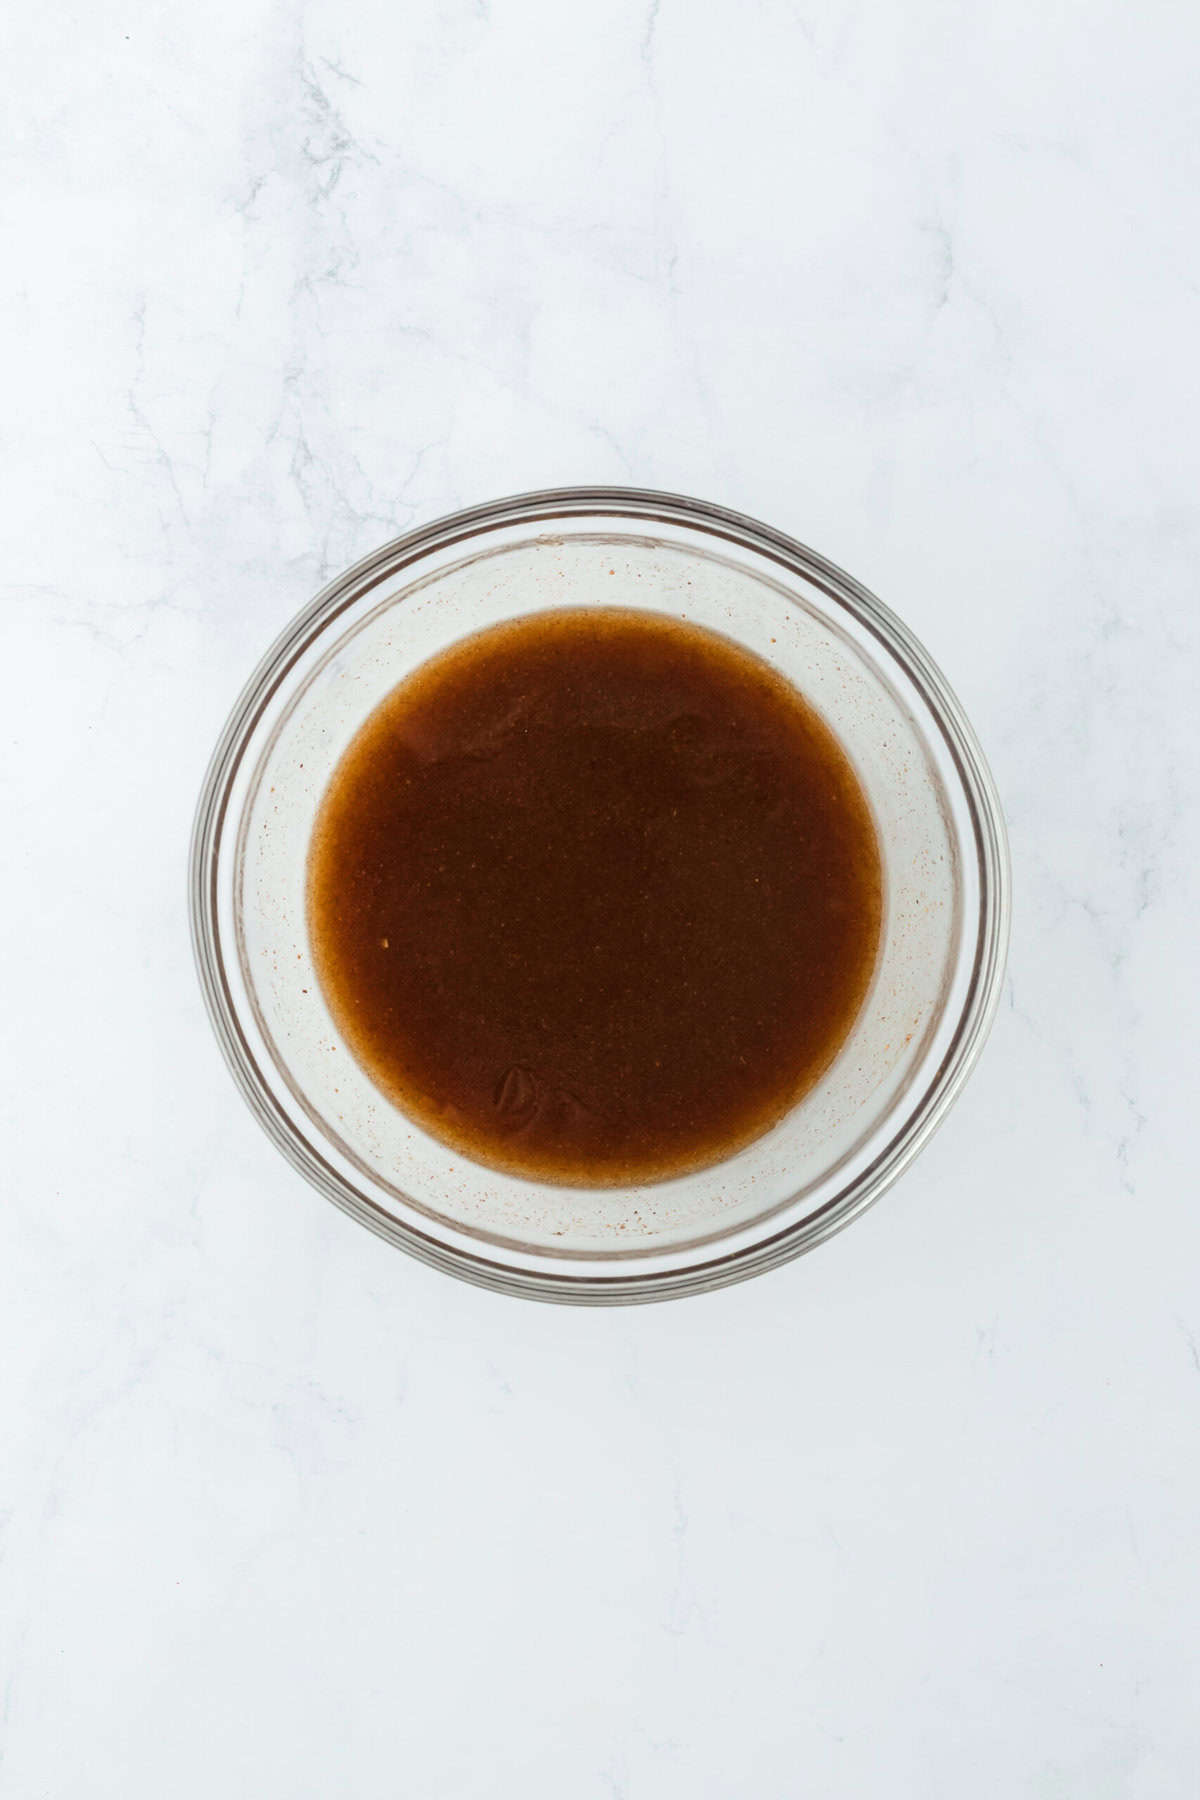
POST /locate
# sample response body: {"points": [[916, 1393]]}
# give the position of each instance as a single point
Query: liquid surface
{"points": [[594, 897]]}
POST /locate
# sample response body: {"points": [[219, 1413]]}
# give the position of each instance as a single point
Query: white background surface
{"points": [[286, 1515]]}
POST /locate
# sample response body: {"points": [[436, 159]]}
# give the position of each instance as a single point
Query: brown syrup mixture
{"points": [[594, 897]]}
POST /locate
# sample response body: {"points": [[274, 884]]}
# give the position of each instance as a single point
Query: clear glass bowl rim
{"points": [[641, 506]]}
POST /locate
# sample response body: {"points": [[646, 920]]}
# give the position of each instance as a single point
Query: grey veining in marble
{"points": [[285, 1515]]}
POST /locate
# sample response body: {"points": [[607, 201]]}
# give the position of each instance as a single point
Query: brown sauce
{"points": [[594, 897]]}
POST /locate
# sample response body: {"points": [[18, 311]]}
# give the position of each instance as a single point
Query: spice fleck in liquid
{"points": [[594, 897]]}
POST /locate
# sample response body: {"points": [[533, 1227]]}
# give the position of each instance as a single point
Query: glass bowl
{"points": [[946, 881]]}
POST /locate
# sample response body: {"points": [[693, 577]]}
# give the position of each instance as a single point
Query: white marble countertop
{"points": [[284, 1514]]}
